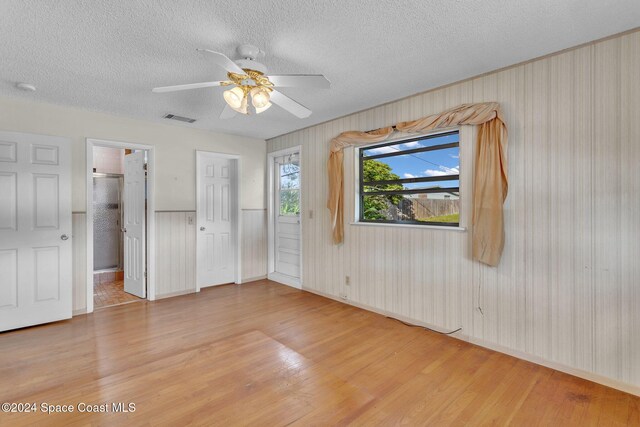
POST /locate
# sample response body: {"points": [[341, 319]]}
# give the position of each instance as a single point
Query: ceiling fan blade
{"points": [[223, 61], [301, 80], [185, 87], [290, 105], [228, 112]]}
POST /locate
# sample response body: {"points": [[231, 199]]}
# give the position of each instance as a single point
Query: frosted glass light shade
{"points": [[243, 107], [259, 97], [265, 108], [234, 97]]}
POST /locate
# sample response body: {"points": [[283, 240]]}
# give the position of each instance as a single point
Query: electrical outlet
{"points": [[343, 296], [310, 214], [347, 280], [190, 219]]}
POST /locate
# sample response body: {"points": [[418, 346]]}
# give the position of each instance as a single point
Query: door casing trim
{"points": [[238, 213], [271, 264], [150, 215]]}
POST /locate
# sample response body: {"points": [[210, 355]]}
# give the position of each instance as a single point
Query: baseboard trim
{"points": [[576, 372], [285, 280], [79, 312], [253, 279], [176, 294]]}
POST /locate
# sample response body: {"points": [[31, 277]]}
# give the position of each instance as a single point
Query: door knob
{"points": [[124, 230], [64, 237], [202, 228]]}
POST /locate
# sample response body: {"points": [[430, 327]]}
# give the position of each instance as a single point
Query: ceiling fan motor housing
{"points": [[251, 65], [248, 54], [249, 51]]}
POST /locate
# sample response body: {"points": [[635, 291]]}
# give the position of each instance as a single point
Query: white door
{"points": [[287, 218], [35, 230], [134, 224], [216, 213]]}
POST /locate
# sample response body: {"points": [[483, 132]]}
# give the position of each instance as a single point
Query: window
{"points": [[413, 181], [289, 188]]}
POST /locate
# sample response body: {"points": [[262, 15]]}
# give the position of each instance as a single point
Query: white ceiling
{"points": [[106, 55]]}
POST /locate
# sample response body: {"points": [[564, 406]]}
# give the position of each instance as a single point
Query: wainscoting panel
{"points": [[79, 253], [176, 250], [175, 253], [567, 289], [254, 244]]}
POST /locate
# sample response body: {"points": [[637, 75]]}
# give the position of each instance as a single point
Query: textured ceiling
{"points": [[106, 55]]}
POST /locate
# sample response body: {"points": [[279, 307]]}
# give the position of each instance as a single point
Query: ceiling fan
{"points": [[248, 78]]}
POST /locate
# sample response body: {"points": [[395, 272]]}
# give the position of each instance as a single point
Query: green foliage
{"points": [[290, 190], [289, 202], [452, 218], [373, 206]]}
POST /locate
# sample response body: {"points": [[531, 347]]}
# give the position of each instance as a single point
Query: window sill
{"points": [[430, 227]]}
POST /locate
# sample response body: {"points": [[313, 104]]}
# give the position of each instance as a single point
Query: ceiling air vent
{"points": [[179, 118]]}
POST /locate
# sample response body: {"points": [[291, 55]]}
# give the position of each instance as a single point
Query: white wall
{"points": [[108, 160], [567, 291], [175, 148]]}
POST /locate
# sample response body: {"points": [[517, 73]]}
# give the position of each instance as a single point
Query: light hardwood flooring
{"points": [[266, 354]]}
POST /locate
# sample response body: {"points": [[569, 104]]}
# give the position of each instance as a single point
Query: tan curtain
{"points": [[335, 168], [490, 180]]}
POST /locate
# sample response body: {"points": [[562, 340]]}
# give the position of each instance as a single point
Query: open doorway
{"points": [[119, 229], [115, 216]]}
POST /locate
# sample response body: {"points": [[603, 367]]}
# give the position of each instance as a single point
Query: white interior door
{"points": [[287, 218], [216, 213], [134, 224], [35, 230]]}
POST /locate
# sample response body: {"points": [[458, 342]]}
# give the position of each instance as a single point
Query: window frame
{"points": [[361, 184]]}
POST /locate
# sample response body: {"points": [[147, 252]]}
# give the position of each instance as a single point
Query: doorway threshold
{"points": [[112, 293]]}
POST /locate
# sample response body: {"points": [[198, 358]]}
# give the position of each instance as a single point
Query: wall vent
{"points": [[179, 118]]}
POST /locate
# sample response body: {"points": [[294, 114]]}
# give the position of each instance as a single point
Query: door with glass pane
{"points": [[287, 217]]}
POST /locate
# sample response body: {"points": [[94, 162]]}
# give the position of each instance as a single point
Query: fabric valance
{"points": [[490, 184]]}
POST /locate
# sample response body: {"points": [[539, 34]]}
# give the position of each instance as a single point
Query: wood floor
{"points": [[265, 354], [111, 293]]}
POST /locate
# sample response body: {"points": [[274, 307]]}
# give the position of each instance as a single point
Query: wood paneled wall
{"points": [[567, 291], [79, 254], [176, 253], [254, 244]]}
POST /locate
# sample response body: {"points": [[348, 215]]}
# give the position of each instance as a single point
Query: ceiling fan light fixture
{"points": [[260, 97], [265, 108], [248, 78], [235, 98], [243, 106]]}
